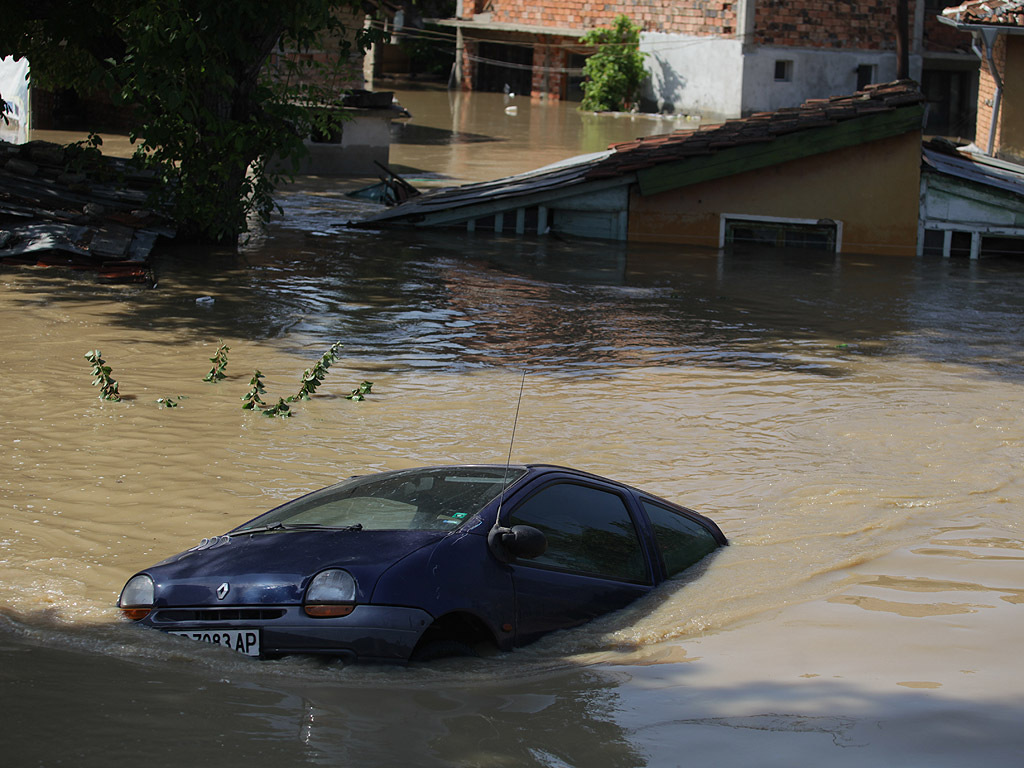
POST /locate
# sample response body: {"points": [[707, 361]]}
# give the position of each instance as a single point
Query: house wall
{"points": [[873, 189], [550, 59], [716, 58], [987, 92], [364, 141], [816, 73], [1011, 119], [707, 17], [1008, 53], [694, 75], [864, 24]]}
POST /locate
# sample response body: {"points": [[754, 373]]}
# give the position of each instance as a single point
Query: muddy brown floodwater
{"points": [[853, 424]]}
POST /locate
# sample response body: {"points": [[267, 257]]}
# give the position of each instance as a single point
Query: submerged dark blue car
{"points": [[423, 563]]}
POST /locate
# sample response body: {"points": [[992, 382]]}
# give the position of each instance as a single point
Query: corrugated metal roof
{"points": [[978, 169], [563, 174], [89, 220]]}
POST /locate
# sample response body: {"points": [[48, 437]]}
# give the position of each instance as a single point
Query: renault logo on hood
{"points": [[222, 590]]}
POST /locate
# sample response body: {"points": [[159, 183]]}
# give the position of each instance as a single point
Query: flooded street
{"points": [[853, 424]]}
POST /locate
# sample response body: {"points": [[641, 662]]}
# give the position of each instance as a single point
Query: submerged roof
{"points": [[669, 161], [759, 128], [940, 156]]}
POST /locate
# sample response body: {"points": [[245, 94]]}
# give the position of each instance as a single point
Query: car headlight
{"points": [[136, 600], [330, 593]]}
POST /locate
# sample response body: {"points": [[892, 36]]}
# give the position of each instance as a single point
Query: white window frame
{"points": [[725, 218]]}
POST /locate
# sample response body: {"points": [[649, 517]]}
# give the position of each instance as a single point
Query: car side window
{"points": [[682, 541], [589, 531]]}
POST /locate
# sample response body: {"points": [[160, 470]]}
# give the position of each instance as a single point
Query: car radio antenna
{"points": [[511, 442]]}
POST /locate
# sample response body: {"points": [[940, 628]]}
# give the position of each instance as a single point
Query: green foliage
{"points": [[615, 73], [251, 400], [314, 377], [220, 363], [102, 377], [428, 51], [280, 409], [210, 114], [359, 392]]}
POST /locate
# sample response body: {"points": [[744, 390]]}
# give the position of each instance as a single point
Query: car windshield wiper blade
{"points": [[279, 526]]}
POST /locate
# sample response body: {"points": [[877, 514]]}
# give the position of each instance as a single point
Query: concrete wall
{"points": [[364, 139], [693, 75], [714, 77], [815, 74], [872, 189]]}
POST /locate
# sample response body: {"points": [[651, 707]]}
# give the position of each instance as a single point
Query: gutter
{"points": [[988, 34]]}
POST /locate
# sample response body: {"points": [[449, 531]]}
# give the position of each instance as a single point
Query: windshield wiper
{"points": [[279, 526]]}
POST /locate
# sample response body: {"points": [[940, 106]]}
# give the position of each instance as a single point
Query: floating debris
{"points": [[62, 206]]}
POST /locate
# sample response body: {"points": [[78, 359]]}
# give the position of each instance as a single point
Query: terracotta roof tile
{"points": [[1009, 13], [646, 152]]}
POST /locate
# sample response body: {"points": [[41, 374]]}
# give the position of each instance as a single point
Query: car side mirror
{"points": [[508, 544]]}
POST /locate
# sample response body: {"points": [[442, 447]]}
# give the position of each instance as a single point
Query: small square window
{"points": [[865, 76], [783, 70]]}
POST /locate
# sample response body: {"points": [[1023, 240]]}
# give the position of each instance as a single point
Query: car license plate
{"points": [[245, 641]]}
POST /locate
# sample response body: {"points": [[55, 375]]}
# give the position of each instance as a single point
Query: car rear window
{"points": [[682, 541], [416, 499]]}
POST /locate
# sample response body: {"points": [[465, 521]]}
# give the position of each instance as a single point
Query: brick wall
{"points": [[943, 38], [986, 94], [861, 24], [865, 24], [695, 17], [548, 58]]}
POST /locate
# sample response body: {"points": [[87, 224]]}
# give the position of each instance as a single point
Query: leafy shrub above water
{"points": [[252, 400], [615, 72], [103, 379]]}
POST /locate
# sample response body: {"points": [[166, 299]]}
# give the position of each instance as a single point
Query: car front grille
{"points": [[183, 615]]}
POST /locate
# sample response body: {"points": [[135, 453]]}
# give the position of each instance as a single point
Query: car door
{"points": [[595, 562]]}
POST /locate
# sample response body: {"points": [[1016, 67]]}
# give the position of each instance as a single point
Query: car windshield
{"points": [[434, 499]]}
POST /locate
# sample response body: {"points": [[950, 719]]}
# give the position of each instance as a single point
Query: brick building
{"points": [[723, 58], [998, 29]]}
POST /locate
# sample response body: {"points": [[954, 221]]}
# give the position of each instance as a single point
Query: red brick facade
{"points": [[861, 24], [986, 94], [550, 60], [693, 17], [827, 25]]}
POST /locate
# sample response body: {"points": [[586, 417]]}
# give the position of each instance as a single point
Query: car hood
{"points": [[275, 567]]}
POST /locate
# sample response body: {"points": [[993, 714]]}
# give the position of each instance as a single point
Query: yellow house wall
{"points": [[873, 189], [1011, 118]]}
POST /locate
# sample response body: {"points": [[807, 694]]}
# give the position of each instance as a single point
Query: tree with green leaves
{"points": [[615, 72], [218, 88]]}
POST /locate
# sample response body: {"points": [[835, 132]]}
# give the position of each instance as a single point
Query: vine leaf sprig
{"points": [[314, 377], [102, 378], [281, 408], [251, 400], [360, 392], [220, 363]]}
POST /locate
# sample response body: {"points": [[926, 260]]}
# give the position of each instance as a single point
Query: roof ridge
{"points": [[646, 151]]}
